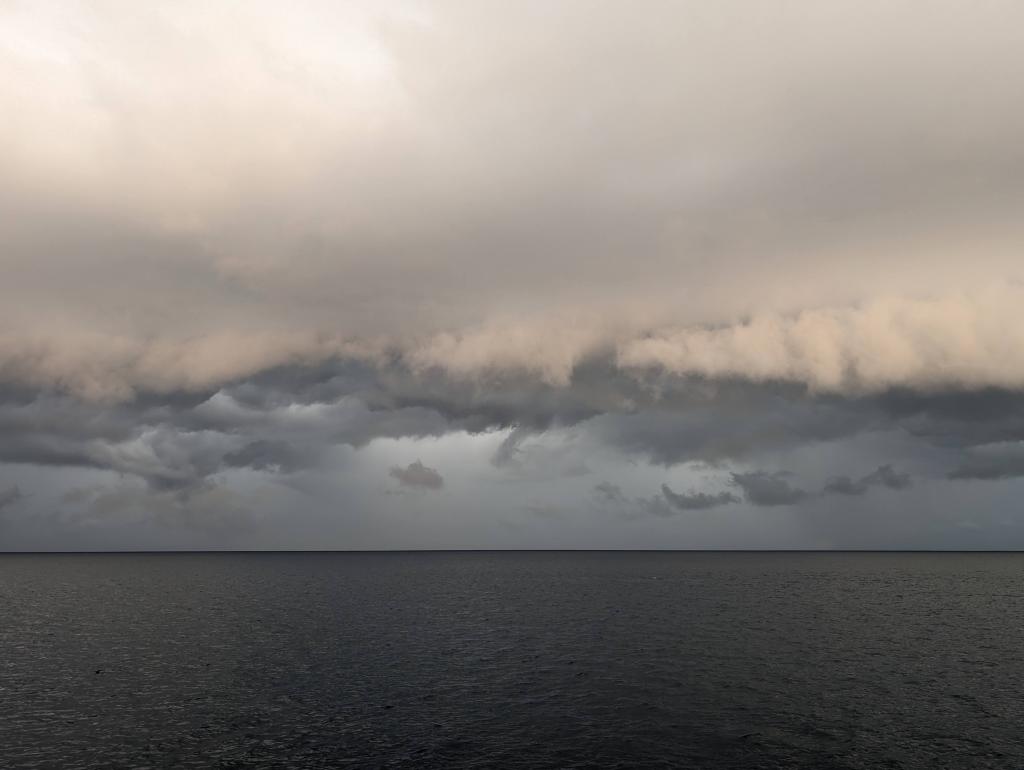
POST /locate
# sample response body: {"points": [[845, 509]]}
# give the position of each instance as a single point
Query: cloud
{"points": [[267, 455], [844, 485], [712, 421], [762, 488], [883, 476], [417, 475], [665, 505], [611, 497], [884, 343], [10, 496], [608, 492], [991, 462], [697, 501], [229, 252], [509, 448], [173, 441], [289, 418], [412, 213], [213, 509]]}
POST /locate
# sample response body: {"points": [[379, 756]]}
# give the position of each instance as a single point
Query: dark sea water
{"points": [[512, 660]]}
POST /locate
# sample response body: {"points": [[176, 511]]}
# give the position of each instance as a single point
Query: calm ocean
{"points": [[522, 659]]}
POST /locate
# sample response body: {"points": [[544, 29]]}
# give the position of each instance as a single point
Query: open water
{"points": [[522, 659]]}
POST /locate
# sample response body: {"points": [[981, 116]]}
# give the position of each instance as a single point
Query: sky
{"points": [[572, 274]]}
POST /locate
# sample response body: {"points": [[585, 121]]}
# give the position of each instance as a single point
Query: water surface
{"points": [[529, 659]]}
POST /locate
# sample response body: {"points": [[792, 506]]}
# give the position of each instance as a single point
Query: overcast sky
{"points": [[512, 274]]}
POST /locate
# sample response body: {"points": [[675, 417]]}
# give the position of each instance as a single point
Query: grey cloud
{"points": [[991, 462], [697, 501], [720, 421], [844, 485], [665, 505], [417, 475], [211, 508], [608, 492], [956, 418], [508, 450], [731, 422], [10, 496], [267, 455], [524, 455], [883, 476], [768, 489], [177, 443], [611, 497], [285, 419], [886, 477]]}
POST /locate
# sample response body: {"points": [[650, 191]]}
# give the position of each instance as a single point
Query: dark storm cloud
{"points": [[140, 442], [883, 476], [176, 442], [667, 417], [734, 422], [285, 419], [268, 455], [417, 475], [501, 400], [697, 501], [717, 421], [957, 418], [762, 488]]}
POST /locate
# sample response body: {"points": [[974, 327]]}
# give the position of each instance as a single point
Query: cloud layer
{"points": [[436, 180], [240, 243]]}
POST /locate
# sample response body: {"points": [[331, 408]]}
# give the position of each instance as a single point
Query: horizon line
{"points": [[57, 552]]}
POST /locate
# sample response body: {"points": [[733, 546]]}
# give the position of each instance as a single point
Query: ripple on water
{"points": [[511, 660]]}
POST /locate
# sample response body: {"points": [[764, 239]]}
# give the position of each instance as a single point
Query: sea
{"points": [[537, 659]]}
